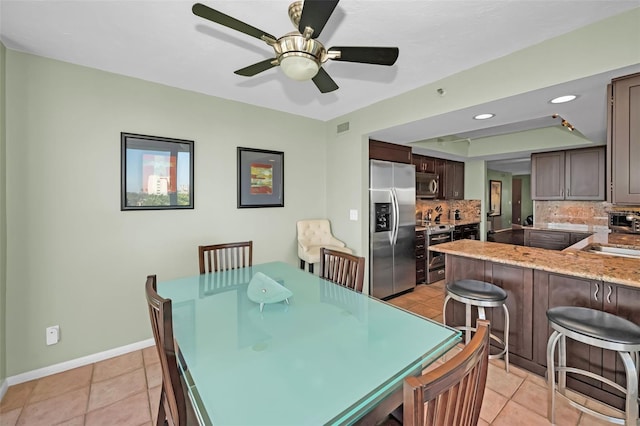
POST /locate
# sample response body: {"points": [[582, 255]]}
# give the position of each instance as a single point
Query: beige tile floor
{"points": [[124, 390]]}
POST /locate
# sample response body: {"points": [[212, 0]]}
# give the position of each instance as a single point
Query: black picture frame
{"points": [[495, 197], [260, 178], [156, 173]]}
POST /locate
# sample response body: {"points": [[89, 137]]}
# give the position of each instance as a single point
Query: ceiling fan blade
{"points": [[220, 18], [315, 14], [323, 82], [257, 68], [367, 55]]}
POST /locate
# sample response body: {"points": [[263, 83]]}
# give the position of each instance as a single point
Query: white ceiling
{"points": [[162, 41]]}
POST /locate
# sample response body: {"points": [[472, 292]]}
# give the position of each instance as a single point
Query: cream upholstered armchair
{"points": [[312, 235]]}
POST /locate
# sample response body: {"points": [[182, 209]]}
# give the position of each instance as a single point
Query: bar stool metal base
{"points": [[629, 353], [468, 328]]}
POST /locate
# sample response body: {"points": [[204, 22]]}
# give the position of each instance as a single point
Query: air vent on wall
{"points": [[343, 127]]}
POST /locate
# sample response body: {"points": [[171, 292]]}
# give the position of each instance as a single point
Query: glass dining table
{"points": [[328, 356]]}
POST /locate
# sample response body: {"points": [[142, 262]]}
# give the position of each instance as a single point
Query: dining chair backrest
{"points": [[452, 393], [173, 404], [342, 268], [222, 257]]}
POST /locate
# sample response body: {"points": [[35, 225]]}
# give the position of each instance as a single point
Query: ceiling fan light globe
{"points": [[299, 66]]}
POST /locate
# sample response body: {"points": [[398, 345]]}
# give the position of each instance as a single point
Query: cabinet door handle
{"points": [[609, 294], [595, 295]]}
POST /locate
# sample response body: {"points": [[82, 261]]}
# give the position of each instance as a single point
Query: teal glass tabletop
{"points": [[327, 356]]}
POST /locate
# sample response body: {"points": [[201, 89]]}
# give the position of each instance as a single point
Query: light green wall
{"points": [[505, 205], [74, 258], [475, 172], [3, 219], [607, 45], [526, 207]]}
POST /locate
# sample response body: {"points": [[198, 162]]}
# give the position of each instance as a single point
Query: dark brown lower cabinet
{"points": [[531, 293], [517, 282], [624, 302], [552, 290], [421, 273]]}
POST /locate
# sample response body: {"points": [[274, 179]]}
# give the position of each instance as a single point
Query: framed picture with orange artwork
{"points": [[260, 178], [495, 197]]}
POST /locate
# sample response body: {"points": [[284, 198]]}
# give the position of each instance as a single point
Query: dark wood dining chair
{"points": [[452, 393], [342, 268], [174, 406], [222, 257]]}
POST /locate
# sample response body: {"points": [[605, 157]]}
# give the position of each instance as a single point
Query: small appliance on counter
{"points": [[456, 215], [625, 222]]}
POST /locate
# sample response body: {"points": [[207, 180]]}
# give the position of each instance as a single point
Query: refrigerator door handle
{"points": [[396, 212]]}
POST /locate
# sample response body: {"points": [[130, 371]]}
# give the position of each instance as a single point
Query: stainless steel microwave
{"points": [[628, 222], [427, 185]]}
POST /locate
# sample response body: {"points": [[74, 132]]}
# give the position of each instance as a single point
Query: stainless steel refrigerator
{"points": [[392, 205]]}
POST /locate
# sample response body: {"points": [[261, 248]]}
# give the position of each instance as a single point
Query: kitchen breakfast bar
{"points": [[536, 280]]}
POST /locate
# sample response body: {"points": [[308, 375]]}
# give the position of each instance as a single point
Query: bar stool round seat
{"points": [[480, 294], [480, 291], [599, 329]]}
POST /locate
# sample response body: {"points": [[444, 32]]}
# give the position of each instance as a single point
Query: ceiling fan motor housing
{"points": [[310, 54]]}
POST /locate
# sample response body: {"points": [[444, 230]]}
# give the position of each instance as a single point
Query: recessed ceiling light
{"points": [[563, 99], [483, 116]]}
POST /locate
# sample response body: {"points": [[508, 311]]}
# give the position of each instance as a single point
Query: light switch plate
{"points": [[353, 214]]}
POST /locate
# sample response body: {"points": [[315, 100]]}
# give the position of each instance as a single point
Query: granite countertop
{"points": [[568, 227], [570, 261]]}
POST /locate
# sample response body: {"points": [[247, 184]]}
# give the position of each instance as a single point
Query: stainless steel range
{"points": [[436, 234]]}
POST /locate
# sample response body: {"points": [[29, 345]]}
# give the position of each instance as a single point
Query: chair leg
{"points": [[302, 264], [467, 323], [506, 337], [562, 363], [444, 310], [551, 376], [631, 405], [162, 416]]}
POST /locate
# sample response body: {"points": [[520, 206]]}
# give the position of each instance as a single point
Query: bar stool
{"points": [[482, 295], [602, 330]]}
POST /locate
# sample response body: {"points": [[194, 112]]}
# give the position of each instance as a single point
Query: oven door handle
{"points": [[447, 238]]}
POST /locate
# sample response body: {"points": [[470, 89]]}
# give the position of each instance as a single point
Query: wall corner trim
{"points": [[74, 363], [3, 388]]}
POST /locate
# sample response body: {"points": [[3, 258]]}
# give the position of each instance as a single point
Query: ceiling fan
{"points": [[298, 53]]}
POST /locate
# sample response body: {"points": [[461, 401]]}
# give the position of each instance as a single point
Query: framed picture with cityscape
{"points": [[156, 173], [260, 178]]}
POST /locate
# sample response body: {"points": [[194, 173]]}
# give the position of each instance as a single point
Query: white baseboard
{"points": [[74, 363], [3, 388]]}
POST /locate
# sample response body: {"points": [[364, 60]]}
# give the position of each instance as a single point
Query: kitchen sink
{"points": [[614, 251]]}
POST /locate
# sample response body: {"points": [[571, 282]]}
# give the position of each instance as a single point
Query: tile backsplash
{"points": [[592, 215], [469, 209]]}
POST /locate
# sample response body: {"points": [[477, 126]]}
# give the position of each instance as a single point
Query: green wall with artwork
{"points": [[502, 221], [74, 259]]}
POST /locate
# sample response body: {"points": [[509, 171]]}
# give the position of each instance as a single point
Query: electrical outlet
{"points": [[353, 214], [53, 335]]}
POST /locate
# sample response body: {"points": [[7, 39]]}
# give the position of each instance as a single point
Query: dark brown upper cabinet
{"points": [[423, 163], [453, 181], [623, 142], [577, 174], [389, 151]]}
